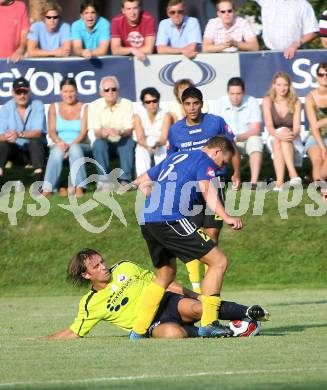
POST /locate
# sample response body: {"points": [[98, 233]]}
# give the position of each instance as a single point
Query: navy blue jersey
{"points": [[183, 137], [176, 191]]}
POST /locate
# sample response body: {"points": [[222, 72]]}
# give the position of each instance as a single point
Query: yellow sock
{"points": [[210, 307], [148, 308], [193, 268]]}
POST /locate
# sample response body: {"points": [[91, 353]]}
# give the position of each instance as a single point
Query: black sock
{"points": [[231, 311]]}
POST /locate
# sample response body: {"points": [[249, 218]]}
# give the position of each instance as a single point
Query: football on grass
{"points": [[245, 327]]}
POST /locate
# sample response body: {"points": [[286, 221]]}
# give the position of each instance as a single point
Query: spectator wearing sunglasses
{"points": [[22, 125], [14, 26], [110, 124], [316, 110], [49, 37], [228, 32], [179, 34], [151, 124]]}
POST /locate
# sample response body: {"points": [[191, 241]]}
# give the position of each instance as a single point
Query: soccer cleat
{"points": [[257, 313], [135, 336], [215, 329]]}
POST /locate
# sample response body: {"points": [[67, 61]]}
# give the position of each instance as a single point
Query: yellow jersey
{"points": [[118, 303]]}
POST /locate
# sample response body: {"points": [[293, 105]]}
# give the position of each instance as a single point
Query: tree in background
{"points": [[35, 9]]}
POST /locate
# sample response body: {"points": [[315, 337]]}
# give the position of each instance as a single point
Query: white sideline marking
{"points": [[140, 377]]}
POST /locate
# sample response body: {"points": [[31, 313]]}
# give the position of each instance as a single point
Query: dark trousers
{"points": [[34, 148]]}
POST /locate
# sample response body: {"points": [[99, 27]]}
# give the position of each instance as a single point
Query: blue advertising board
{"points": [[257, 70], [45, 76]]}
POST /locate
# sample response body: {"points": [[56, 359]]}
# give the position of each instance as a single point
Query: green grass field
{"points": [[279, 263], [290, 353]]}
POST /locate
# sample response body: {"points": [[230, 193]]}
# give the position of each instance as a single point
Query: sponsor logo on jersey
{"points": [[114, 288], [121, 278], [211, 172], [195, 131]]}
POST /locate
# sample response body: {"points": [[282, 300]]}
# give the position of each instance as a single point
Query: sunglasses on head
{"points": [[224, 11], [177, 12], [53, 17], [113, 89], [150, 101], [322, 74]]}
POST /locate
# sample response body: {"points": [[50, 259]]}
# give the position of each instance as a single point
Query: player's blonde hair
{"points": [[291, 97]]}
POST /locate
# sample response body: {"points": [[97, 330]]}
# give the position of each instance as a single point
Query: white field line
{"points": [[156, 376]]}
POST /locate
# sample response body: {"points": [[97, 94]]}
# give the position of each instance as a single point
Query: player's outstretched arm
{"points": [[210, 196], [143, 183], [62, 335]]}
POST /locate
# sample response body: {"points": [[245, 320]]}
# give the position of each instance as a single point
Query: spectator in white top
{"points": [[287, 24], [179, 34], [228, 32], [243, 115], [323, 29], [151, 124], [49, 37]]}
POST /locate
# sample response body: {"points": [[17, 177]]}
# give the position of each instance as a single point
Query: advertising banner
{"points": [[257, 70], [209, 72], [45, 76]]}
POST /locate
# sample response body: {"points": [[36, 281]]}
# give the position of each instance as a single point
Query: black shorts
{"points": [[170, 239], [207, 219], [168, 312]]}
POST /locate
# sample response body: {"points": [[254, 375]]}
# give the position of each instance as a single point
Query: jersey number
{"points": [[177, 159]]}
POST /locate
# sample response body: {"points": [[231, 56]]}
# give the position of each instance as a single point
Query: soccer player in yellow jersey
{"points": [[116, 294]]}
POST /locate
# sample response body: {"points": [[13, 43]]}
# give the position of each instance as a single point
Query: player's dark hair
{"points": [[192, 92], [77, 266], [180, 82], [236, 82], [68, 81], [149, 91], [224, 143], [89, 3], [322, 65]]}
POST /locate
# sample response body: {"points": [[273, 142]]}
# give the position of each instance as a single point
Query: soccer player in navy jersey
{"points": [[191, 133], [174, 187]]}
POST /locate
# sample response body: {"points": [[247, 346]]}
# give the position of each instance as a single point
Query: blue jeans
{"points": [[125, 150], [54, 167]]}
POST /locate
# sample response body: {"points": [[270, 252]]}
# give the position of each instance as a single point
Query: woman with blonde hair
{"points": [[282, 118], [316, 110]]}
